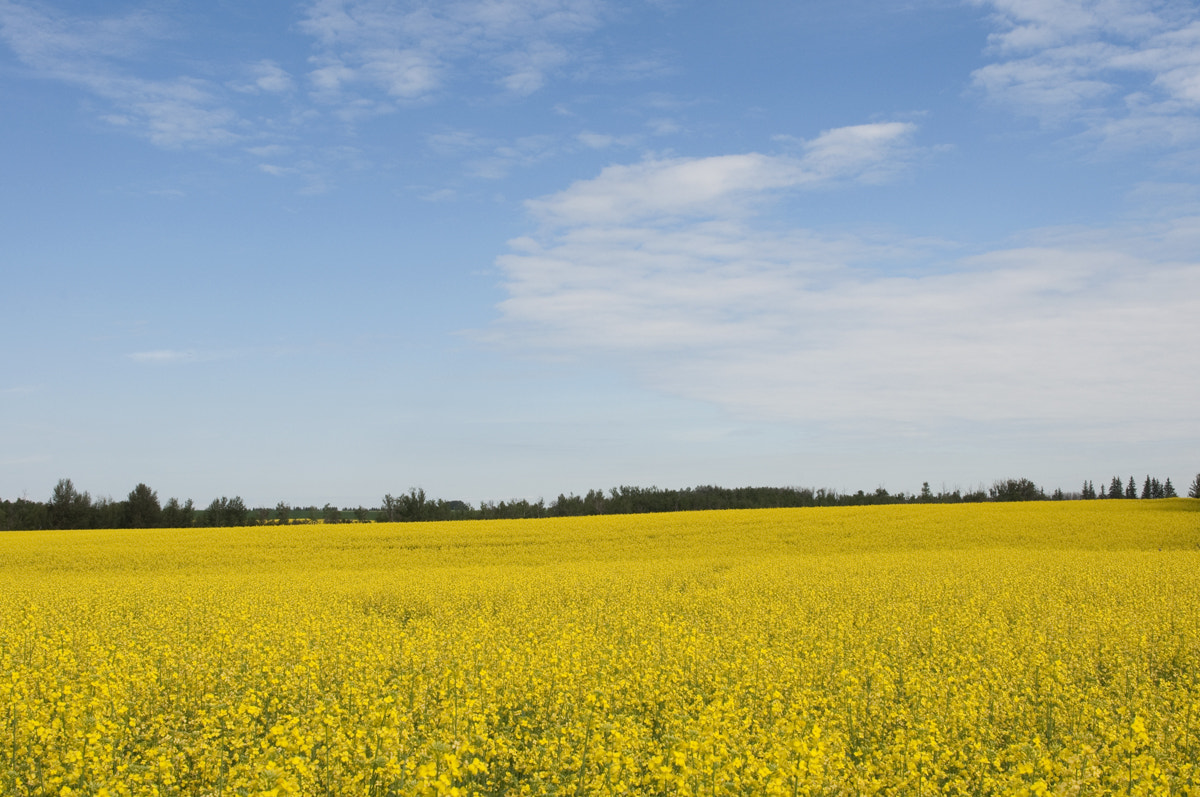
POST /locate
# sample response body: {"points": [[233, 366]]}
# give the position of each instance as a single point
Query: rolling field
{"points": [[1046, 648]]}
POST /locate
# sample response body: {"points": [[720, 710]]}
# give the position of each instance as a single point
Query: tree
{"points": [[1131, 489], [412, 506], [1016, 490], [331, 514], [390, 507], [172, 514], [283, 513], [141, 508], [1089, 492], [226, 512], [1114, 488], [236, 511], [69, 508], [1194, 490], [1146, 490], [1169, 489], [214, 515]]}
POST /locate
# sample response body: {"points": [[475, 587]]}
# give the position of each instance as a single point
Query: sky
{"points": [[317, 252]]}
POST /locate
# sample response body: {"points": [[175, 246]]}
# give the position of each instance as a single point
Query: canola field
{"points": [[996, 649]]}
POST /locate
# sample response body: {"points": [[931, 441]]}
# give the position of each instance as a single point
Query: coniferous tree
{"points": [[1169, 489], [1146, 488], [1114, 488], [1131, 489], [1194, 490]]}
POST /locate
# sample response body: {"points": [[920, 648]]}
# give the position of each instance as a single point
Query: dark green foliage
{"points": [[225, 512], [141, 508], [1016, 490], [69, 508]]}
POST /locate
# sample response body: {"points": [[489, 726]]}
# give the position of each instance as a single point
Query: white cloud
{"points": [[84, 52], [266, 76], [164, 356], [646, 267], [489, 158], [595, 140], [178, 356], [412, 51], [701, 186], [401, 73], [1127, 70]]}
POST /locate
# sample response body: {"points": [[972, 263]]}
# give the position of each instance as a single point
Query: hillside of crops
{"points": [[1024, 648]]}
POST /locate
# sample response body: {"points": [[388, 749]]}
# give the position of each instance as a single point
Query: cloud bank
{"points": [[1127, 71], [663, 268]]}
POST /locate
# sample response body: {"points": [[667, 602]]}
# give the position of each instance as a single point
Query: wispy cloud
{"points": [[1127, 71], [703, 186], [371, 47], [490, 158], [267, 77], [167, 356], [649, 266], [90, 53], [182, 356]]}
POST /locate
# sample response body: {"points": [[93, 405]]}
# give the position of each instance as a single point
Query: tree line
{"points": [[68, 508]]}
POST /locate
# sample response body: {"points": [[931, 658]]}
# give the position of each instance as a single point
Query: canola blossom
{"points": [[999, 649]]}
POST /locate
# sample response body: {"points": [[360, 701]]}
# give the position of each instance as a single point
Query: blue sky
{"points": [[317, 252]]}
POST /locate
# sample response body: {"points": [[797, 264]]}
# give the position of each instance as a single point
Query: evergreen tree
{"points": [[1146, 489], [1194, 490], [1114, 488], [1131, 489], [1169, 489]]}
